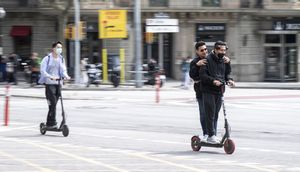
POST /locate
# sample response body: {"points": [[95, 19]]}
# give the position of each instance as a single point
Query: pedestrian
{"points": [[185, 68], [11, 68], [213, 77], [35, 68], [83, 65], [53, 68], [3, 68]]}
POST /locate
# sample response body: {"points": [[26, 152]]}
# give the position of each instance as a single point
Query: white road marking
{"points": [[36, 166], [9, 128], [91, 161]]}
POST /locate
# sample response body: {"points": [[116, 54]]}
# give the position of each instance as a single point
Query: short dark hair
{"points": [[55, 43], [218, 45], [199, 44]]}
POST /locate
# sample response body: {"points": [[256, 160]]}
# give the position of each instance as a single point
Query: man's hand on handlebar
{"points": [[57, 78], [231, 83], [217, 83], [54, 78]]}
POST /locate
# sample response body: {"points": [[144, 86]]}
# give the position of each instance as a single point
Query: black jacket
{"points": [[215, 69], [195, 75]]}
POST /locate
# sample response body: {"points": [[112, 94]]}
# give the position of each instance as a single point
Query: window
{"points": [[290, 38], [272, 38], [280, 0], [23, 3], [158, 3], [123, 3], [211, 3]]}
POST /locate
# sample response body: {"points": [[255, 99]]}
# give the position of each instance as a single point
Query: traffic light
{"points": [[82, 30], [149, 38], [70, 31]]}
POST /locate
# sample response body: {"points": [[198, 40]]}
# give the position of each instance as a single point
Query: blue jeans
{"points": [[202, 115]]}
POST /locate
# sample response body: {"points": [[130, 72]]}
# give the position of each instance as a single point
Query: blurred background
{"points": [[263, 35]]}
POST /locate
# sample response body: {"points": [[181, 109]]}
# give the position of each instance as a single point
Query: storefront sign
{"points": [[161, 22], [292, 26], [162, 29], [286, 25], [162, 25], [210, 27]]}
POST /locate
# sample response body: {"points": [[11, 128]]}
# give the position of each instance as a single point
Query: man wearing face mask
{"points": [[53, 68], [213, 76], [200, 60]]}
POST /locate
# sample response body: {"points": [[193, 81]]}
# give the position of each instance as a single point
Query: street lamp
{"points": [[2, 15]]}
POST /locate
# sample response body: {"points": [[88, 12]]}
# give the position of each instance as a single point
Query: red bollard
{"points": [[6, 108], [157, 81]]}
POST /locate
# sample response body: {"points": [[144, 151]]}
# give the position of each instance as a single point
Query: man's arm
{"points": [[228, 78], [194, 71], [63, 70], [205, 77], [194, 68], [43, 68]]}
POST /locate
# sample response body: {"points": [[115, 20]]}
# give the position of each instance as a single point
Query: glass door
{"points": [[280, 57], [290, 57], [290, 65], [272, 63]]}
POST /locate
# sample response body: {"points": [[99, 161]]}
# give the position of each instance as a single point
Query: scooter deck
{"points": [[205, 144], [53, 129]]}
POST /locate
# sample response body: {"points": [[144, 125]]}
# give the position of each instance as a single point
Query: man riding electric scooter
{"points": [[53, 69], [213, 77]]}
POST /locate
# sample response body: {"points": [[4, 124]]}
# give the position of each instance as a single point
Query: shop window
{"points": [[280, 0], [158, 3], [123, 3], [211, 3], [272, 38], [290, 38]]}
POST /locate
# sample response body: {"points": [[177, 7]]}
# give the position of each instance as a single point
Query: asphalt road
{"points": [[128, 131]]}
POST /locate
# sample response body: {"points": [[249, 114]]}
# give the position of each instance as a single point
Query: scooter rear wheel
{"points": [[229, 146], [43, 128], [195, 143], [65, 130]]}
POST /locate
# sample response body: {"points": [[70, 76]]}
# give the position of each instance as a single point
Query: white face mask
{"points": [[58, 51]]}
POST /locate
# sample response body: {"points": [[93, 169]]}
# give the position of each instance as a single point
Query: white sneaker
{"points": [[204, 139], [213, 140]]}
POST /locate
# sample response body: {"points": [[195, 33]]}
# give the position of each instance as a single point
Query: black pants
{"points": [[11, 77], [52, 96], [212, 105], [34, 77]]}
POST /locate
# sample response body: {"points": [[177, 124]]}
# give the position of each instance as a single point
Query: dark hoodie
{"points": [[215, 69], [195, 75]]}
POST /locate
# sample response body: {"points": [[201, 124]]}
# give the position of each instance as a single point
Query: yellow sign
{"points": [[112, 24]]}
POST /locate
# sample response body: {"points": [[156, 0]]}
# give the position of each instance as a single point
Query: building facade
{"points": [[263, 35]]}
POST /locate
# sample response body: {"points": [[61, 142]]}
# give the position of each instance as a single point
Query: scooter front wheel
{"points": [[43, 128], [229, 146], [195, 143], [65, 130]]}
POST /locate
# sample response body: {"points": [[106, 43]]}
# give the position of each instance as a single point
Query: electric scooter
{"points": [[228, 143], [63, 126]]}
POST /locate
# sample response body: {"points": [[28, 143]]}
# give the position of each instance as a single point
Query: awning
{"points": [[20, 31]]}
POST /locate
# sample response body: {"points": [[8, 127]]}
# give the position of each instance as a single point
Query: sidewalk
{"points": [[169, 85], [93, 92]]}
